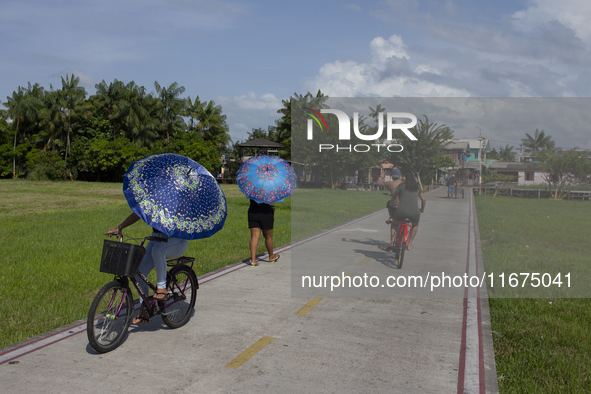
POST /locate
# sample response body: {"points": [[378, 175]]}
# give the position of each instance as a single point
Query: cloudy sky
{"points": [[250, 55]]}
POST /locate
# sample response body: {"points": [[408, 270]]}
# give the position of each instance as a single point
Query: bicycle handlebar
{"points": [[119, 234]]}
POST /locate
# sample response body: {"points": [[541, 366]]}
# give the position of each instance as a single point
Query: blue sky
{"points": [[250, 55]]}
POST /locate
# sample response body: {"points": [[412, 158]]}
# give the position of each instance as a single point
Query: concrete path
{"points": [[248, 334]]}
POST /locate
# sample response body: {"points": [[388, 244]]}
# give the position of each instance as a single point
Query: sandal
{"points": [[253, 265], [161, 295], [274, 260], [142, 317]]}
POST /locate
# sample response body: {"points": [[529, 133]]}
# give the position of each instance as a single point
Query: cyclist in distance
{"points": [[156, 255], [408, 193], [392, 204]]}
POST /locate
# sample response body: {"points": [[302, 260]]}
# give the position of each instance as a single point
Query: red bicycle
{"points": [[401, 241]]}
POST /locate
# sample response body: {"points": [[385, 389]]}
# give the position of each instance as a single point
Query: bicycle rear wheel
{"points": [[401, 254], [109, 316], [183, 286]]}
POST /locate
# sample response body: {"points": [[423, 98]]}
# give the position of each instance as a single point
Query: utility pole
{"points": [[480, 139]]}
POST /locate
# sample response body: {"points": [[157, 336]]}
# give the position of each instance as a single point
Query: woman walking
{"points": [[261, 218]]}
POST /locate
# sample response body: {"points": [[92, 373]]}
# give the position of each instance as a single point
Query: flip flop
{"points": [[254, 265], [141, 318], [271, 262], [163, 296]]}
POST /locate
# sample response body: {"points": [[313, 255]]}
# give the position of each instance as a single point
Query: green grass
{"points": [[52, 242], [315, 210], [541, 344]]}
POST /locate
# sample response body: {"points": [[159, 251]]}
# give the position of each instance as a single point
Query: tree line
{"points": [[62, 133]]}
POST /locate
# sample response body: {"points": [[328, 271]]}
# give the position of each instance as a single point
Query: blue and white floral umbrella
{"points": [[266, 179], [176, 196]]}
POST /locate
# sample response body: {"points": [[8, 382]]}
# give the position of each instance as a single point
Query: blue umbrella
{"points": [[266, 179], [176, 196]]}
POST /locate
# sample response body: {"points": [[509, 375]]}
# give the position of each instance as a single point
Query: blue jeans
{"points": [[155, 257]]}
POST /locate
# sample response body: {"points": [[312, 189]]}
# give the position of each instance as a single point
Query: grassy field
{"points": [[52, 242], [541, 344]]}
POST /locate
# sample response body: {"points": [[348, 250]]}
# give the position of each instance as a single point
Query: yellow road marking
{"points": [[306, 308], [336, 281], [365, 260], [248, 353], [431, 207]]}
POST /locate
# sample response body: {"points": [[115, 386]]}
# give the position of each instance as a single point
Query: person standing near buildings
{"points": [[452, 183]]}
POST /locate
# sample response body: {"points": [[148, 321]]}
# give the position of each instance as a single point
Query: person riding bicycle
{"points": [[408, 193], [452, 183], [392, 204], [156, 255]]}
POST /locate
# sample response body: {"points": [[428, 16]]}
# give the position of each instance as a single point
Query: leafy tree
{"points": [[22, 109], [493, 154], [193, 146], [191, 110], [498, 179], [421, 156], [283, 125], [539, 141], [506, 154], [106, 101], [564, 170], [51, 121], [171, 107], [46, 166], [376, 112], [131, 110], [112, 157], [212, 124], [330, 164], [72, 100]]}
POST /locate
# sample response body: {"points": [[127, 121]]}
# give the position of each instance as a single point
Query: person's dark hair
{"points": [[410, 184]]}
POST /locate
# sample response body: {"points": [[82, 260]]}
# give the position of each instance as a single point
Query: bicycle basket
{"points": [[120, 258]]}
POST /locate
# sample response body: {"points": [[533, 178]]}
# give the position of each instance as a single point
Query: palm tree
{"points": [[72, 100], [374, 113], [106, 96], [51, 121], [172, 106], [506, 154], [539, 141], [192, 110], [22, 109], [212, 124], [134, 116], [423, 154]]}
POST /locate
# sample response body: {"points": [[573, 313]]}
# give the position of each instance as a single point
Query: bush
{"points": [[44, 166]]}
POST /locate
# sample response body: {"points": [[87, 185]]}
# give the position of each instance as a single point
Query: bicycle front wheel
{"points": [[109, 316], [183, 286]]}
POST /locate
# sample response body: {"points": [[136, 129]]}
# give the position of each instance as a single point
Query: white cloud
{"points": [[387, 74], [574, 14], [383, 50], [85, 80], [267, 101], [427, 68], [250, 111]]}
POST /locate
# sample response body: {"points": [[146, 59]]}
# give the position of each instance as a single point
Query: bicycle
{"points": [[401, 241], [110, 313]]}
